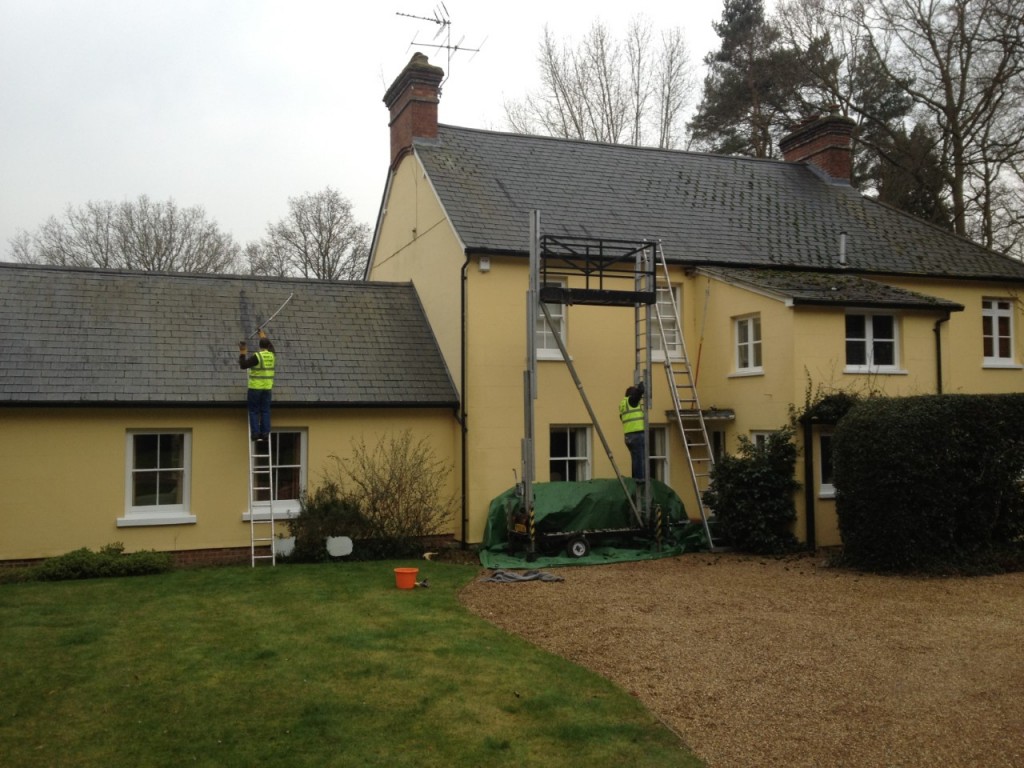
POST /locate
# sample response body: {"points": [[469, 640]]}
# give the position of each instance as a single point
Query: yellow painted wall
{"points": [[416, 243], [600, 341], [803, 351], [65, 471], [963, 369]]}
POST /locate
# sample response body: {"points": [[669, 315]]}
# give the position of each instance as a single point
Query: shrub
{"points": [[108, 562], [327, 511], [751, 495], [398, 487], [931, 483]]}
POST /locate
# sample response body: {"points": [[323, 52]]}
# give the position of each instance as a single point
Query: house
{"points": [[788, 282], [110, 379]]}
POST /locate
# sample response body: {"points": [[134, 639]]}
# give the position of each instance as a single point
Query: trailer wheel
{"points": [[577, 547]]}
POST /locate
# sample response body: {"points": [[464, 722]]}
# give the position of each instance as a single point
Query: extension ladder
{"points": [[261, 501], [683, 387]]}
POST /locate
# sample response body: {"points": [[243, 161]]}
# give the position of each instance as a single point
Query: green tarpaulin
{"points": [[596, 509]]}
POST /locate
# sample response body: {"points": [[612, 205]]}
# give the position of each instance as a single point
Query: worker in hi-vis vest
{"points": [[631, 414], [261, 382]]}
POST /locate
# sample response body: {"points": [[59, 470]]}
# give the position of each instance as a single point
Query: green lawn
{"points": [[318, 665]]}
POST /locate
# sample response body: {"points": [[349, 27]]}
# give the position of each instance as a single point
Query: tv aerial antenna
{"points": [[442, 40]]}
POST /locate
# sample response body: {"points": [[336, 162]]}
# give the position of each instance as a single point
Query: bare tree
{"points": [[960, 65], [140, 235], [605, 90], [319, 238], [962, 61]]}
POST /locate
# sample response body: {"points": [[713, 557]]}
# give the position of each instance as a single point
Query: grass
{"points": [[321, 665]]}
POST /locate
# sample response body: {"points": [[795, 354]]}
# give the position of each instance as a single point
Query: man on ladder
{"points": [[631, 414], [261, 382]]}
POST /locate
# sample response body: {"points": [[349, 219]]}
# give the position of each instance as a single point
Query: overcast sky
{"points": [[237, 105]]}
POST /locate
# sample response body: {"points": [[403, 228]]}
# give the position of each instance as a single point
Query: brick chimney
{"points": [[823, 140], [412, 100]]}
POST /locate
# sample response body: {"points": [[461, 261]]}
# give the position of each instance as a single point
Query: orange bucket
{"points": [[405, 578]]}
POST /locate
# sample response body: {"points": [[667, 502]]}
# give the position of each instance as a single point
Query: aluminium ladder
{"points": [[689, 417], [261, 502]]}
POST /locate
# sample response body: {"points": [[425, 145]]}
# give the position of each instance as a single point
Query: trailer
{"points": [[572, 518]]}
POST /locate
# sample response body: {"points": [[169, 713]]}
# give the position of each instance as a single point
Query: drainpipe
{"points": [[809, 510], [938, 352], [462, 418]]}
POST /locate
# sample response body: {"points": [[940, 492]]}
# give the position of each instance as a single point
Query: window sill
{"points": [[1000, 365], [282, 512], [876, 371], [746, 373], [141, 520], [550, 357]]}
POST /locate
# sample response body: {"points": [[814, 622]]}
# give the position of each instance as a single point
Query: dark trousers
{"points": [[259, 411], [635, 443]]}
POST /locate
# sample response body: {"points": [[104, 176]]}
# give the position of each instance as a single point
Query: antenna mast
{"points": [[444, 28]]}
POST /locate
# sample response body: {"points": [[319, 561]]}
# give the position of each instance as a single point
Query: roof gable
{"points": [[705, 209], [82, 336]]}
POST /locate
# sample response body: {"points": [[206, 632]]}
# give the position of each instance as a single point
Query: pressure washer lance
{"points": [[266, 322]]}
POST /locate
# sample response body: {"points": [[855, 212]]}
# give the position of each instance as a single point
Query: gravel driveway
{"points": [[787, 662]]}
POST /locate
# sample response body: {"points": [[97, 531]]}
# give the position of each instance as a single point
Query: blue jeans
{"points": [[259, 411], [635, 443]]}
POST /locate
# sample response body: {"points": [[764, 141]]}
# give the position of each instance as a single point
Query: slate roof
{"points": [[97, 337], [830, 289], [705, 209]]}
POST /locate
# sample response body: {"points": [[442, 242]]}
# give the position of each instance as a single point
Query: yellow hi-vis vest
{"points": [[261, 376], [632, 416]]}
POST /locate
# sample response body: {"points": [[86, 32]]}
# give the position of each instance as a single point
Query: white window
{"points": [[157, 478], [667, 309], [570, 454], [658, 460], [826, 485], [547, 347], [748, 344], [288, 456], [871, 343], [760, 438], [997, 331]]}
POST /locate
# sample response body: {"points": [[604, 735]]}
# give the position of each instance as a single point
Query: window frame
{"points": [[585, 461], [718, 444], [826, 480], [544, 337], [869, 342], [658, 461], [759, 437], [754, 347], [991, 313], [284, 508], [157, 514]]}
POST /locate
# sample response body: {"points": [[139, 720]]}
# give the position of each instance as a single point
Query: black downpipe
{"points": [[809, 510], [462, 417], [938, 352]]}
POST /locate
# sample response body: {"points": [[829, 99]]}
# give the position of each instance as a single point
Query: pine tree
{"points": [[754, 89]]}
